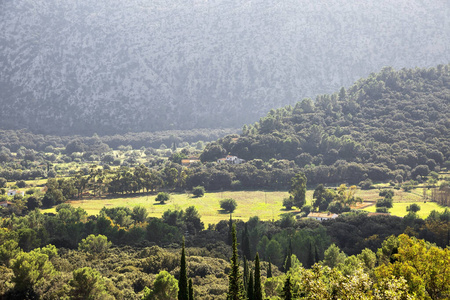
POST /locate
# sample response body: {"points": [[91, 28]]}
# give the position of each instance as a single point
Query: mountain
{"points": [[392, 125], [109, 66]]}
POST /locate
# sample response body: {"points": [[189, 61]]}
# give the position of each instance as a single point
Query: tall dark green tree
{"points": [[183, 292], [298, 189], [235, 287], [287, 289], [230, 230], [288, 259], [245, 243], [311, 255], [251, 287], [258, 289], [246, 274], [191, 290], [269, 269]]}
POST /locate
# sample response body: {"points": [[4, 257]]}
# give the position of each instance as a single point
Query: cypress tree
{"points": [[288, 260], [287, 263], [245, 275], [269, 269], [311, 256], [230, 235], [191, 290], [287, 289], [235, 287], [246, 243], [183, 293], [258, 290], [317, 258], [250, 287]]}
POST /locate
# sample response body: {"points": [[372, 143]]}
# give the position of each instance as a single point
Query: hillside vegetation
{"points": [[390, 125], [110, 66]]}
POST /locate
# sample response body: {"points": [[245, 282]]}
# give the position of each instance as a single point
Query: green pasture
{"points": [[267, 205], [399, 208]]}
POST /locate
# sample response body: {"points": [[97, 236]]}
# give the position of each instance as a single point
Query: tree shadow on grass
{"points": [[223, 212], [159, 203]]}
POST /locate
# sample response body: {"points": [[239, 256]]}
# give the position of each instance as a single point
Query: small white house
{"points": [[15, 192], [322, 216], [230, 159]]}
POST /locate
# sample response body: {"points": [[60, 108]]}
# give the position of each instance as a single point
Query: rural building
{"points": [[5, 203], [230, 159], [322, 216], [189, 161], [15, 192]]}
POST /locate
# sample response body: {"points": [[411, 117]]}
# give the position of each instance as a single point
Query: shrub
{"points": [[198, 191], [413, 208], [228, 205], [385, 202], [288, 202], [306, 209], [382, 209], [162, 197], [366, 184]]}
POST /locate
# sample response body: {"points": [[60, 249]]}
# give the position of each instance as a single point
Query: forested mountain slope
{"points": [[109, 66], [390, 125]]}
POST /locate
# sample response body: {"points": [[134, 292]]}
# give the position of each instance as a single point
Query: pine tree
{"points": [[250, 287], [235, 287], [258, 290], [183, 293], [269, 269], [191, 290], [287, 289]]}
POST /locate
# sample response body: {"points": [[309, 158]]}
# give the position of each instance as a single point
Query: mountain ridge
{"points": [[108, 66]]}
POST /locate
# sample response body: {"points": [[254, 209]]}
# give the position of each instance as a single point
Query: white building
{"points": [[231, 160], [15, 192], [322, 216]]}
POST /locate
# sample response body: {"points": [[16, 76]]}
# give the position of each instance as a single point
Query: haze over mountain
{"points": [[117, 66]]}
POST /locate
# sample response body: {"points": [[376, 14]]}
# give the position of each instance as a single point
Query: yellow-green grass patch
{"points": [[399, 208], [265, 205]]}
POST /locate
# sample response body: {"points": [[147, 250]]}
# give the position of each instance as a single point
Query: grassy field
{"points": [[399, 208], [265, 205]]}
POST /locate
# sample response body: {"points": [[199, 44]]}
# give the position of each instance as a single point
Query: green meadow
{"points": [[267, 205]]}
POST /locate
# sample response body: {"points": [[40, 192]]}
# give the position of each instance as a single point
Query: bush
{"points": [[162, 197], [306, 209], [198, 191], [385, 202], [413, 208], [288, 202], [228, 205], [366, 184], [386, 193], [382, 209], [21, 184]]}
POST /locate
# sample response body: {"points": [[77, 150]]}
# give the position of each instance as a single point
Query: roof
{"points": [[322, 215], [372, 214]]}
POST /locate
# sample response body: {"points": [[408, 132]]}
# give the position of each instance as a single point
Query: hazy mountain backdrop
{"points": [[105, 66]]}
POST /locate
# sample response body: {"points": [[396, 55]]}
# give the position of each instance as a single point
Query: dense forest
{"points": [[393, 125], [110, 66], [123, 254]]}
